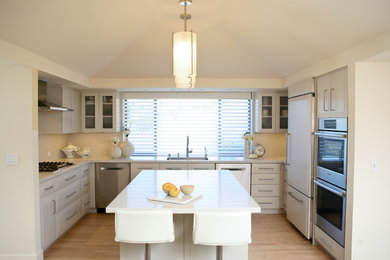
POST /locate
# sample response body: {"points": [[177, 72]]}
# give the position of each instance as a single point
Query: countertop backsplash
{"points": [[101, 144]]}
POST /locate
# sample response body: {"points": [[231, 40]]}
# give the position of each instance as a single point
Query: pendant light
{"points": [[184, 53]]}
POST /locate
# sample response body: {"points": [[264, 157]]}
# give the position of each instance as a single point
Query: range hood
{"points": [[43, 104]]}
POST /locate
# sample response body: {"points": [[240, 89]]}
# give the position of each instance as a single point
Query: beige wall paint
{"points": [[371, 211], [274, 144], [19, 184], [51, 144]]}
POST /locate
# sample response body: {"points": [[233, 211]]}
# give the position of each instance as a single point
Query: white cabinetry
{"points": [[332, 93], [136, 168], [201, 166], [173, 166], [266, 188], [64, 199], [271, 112], [100, 112], [57, 122]]}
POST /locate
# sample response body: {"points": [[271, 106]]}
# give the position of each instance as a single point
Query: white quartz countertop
{"points": [[220, 191]]}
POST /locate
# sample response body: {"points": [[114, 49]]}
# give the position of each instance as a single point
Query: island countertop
{"points": [[220, 191]]}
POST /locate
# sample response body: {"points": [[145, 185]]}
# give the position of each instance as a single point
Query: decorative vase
{"points": [[116, 152], [127, 148], [247, 148]]}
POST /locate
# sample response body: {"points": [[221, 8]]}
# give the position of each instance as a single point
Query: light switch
{"points": [[11, 159], [374, 164]]}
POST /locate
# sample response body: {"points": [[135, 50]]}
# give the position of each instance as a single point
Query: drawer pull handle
{"points": [[144, 168], [295, 197], [86, 170], [86, 203], [173, 168], [72, 215], [54, 206], [201, 169], [266, 179], [233, 169], [70, 195], [49, 188], [86, 185], [265, 168], [70, 178], [266, 203], [326, 244], [266, 190]]}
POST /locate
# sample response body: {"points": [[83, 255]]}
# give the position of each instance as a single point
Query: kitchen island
{"points": [[220, 192]]}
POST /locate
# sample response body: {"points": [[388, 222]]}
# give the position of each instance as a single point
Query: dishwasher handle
{"points": [[233, 169], [111, 168]]}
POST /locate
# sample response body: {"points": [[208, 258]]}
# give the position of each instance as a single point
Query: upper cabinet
{"points": [[100, 112], [57, 122], [332, 93], [271, 110]]}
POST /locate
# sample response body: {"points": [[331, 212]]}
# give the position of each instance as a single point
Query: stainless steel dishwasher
{"points": [[110, 180]]}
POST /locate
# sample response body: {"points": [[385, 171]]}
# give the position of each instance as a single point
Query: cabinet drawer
{"points": [[173, 166], [46, 188], [67, 217], [67, 195], [268, 202], [136, 168], [298, 211], [329, 244], [265, 190], [84, 185], [85, 205], [67, 178], [261, 178], [201, 166], [265, 168], [84, 171]]}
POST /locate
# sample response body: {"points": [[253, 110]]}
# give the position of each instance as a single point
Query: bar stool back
{"points": [[144, 227], [222, 229]]}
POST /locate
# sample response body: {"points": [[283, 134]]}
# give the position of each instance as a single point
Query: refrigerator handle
{"points": [[326, 107], [287, 149]]}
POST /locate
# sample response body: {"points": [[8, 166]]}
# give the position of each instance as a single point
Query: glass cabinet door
{"points": [[107, 105], [267, 112], [283, 112], [90, 111]]}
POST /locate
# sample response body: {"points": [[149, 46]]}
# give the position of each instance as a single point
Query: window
{"points": [[160, 126]]}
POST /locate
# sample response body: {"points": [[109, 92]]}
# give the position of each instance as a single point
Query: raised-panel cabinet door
{"points": [[323, 96], [338, 93], [48, 220]]}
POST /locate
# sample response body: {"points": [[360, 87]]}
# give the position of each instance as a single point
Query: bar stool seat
{"points": [[144, 227], [222, 229]]}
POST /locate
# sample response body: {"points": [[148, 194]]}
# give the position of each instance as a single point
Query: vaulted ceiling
{"points": [[236, 39]]}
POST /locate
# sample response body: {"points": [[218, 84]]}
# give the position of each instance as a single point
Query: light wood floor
{"points": [[273, 237]]}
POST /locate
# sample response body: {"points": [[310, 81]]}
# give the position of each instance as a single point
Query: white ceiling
{"points": [[236, 39]]}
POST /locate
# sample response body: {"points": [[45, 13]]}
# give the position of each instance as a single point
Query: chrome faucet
{"points": [[188, 150]]}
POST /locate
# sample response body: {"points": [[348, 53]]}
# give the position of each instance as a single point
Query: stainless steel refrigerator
{"points": [[300, 140]]}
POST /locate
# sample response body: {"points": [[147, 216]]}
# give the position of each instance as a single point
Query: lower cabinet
{"points": [[48, 220], [267, 187], [136, 168], [63, 206]]}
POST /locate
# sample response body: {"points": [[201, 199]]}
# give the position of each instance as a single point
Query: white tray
{"points": [[181, 199]]}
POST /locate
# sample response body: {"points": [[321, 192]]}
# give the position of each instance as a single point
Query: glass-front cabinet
{"points": [[271, 112], [99, 113]]}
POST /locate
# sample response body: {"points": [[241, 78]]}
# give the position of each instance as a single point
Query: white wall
{"points": [[19, 185], [371, 208]]}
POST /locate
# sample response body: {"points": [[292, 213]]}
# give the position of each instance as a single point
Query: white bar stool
{"points": [[144, 227], [222, 229]]}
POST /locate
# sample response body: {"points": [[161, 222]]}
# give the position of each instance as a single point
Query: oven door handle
{"points": [[339, 193], [331, 135]]}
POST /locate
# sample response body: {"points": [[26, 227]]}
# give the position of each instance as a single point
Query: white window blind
{"points": [[160, 126]]}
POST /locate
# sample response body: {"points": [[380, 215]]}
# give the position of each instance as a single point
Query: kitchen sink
{"points": [[187, 158]]}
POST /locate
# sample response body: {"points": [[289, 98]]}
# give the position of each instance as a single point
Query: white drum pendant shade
{"points": [[184, 59]]}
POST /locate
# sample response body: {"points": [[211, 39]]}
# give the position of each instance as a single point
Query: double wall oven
{"points": [[331, 177]]}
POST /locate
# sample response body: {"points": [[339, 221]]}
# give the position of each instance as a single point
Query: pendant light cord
{"points": [[185, 15]]}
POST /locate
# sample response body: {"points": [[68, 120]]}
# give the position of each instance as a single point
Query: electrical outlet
{"points": [[11, 159], [49, 154], [374, 164]]}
